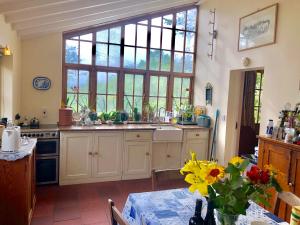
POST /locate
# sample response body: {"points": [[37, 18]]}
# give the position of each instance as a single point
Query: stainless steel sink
{"points": [[167, 133]]}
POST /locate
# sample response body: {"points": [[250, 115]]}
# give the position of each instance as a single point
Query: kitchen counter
{"points": [[280, 143], [106, 127]]}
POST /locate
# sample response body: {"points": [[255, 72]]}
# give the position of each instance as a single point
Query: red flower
{"points": [[254, 174], [264, 177]]}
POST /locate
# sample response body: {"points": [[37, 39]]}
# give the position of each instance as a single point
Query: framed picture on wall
{"points": [[258, 29]]}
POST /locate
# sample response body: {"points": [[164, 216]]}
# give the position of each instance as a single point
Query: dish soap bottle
{"points": [[197, 218]]}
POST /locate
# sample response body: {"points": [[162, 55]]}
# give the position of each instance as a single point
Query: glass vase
{"points": [[226, 219]]}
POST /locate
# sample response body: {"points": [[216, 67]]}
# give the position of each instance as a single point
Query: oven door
{"points": [[47, 170], [47, 147]]}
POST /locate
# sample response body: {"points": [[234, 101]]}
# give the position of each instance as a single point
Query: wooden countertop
{"points": [[106, 127], [280, 142]]}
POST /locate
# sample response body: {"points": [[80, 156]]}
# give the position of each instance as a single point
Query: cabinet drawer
{"points": [[138, 136], [200, 134]]}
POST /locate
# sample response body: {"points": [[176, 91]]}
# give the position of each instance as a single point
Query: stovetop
{"points": [[45, 131]]}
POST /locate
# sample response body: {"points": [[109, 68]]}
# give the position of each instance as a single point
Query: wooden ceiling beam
{"points": [[56, 9], [9, 6], [111, 17], [83, 14]]}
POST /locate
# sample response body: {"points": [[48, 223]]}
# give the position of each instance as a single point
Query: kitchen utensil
{"points": [[34, 123], [11, 139]]}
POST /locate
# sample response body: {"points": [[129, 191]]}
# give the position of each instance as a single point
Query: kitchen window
{"points": [[145, 60]]}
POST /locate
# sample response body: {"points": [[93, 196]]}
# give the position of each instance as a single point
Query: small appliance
{"points": [[11, 139]]}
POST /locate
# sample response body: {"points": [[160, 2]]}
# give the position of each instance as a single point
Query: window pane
{"points": [[138, 85], [154, 59], [129, 57], [156, 21], [185, 92], [176, 104], [153, 102], [101, 82], [71, 51], [86, 53], [87, 37], [167, 39], [83, 101], [162, 102], [189, 42], [101, 103], [155, 37], [111, 103], [128, 87], [83, 81], [141, 58], [101, 54], [168, 21], [166, 61], [177, 87], [72, 101], [112, 83], [179, 40], [191, 19], [130, 34], [115, 35], [188, 63], [178, 62], [72, 80], [138, 103], [102, 36], [153, 86], [114, 55], [143, 22], [163, 81], [142, 33], [128, 103], [180, 20]]}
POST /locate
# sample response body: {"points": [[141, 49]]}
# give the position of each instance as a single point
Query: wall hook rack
{"points": [[213, 33]]}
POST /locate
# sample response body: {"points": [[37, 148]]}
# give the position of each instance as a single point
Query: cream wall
{"points": [[280, 61], [42, 57], [10, 72]]}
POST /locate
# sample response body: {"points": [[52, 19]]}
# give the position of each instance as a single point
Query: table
{"points": [[177, 206]]}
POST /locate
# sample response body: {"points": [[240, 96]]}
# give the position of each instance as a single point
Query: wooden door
{"points": [[75, 155], [137, 160], [107, 155]]}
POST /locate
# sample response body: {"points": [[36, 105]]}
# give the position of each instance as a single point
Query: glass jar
{"points": [[225, 219]]}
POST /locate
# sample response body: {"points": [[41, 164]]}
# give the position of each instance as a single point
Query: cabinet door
{"points": [[159, 156], [107, 155], [295, 175], [137, 160], [75, 155], [173, 156], [200, 147]]}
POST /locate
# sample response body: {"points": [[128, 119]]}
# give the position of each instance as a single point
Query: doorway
{"points": [[250, 113]]}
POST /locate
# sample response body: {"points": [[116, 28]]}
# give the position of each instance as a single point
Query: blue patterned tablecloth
{"points": [[176, 207]]}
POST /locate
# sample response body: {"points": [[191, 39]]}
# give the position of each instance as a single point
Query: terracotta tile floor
{"points": [[84, 204]]}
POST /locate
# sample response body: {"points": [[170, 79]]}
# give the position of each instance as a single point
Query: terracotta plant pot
{"points": [[65, 117]]}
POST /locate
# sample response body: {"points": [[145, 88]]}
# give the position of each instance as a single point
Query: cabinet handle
{"points": [[291, 184], [138, 136], [147, 153], [96, 153], [90, 153], [197, 135], [168, 156]]}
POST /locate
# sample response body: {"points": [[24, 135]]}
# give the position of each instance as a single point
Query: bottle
{"points": [[197, 218], [210, 215], [269, 131]]}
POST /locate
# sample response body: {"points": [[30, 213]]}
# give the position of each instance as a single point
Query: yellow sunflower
{"points": [[236, 160]]}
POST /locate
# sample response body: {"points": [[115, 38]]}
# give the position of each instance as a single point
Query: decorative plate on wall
{"points": [[41, 83]]}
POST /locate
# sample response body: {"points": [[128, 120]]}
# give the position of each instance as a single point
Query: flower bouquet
{"points": [[230, 189]]}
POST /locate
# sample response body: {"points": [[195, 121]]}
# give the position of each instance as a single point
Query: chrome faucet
{"points": [[159, 115]]}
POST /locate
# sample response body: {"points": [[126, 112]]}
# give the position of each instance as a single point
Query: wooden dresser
{"points": [[17, 190], [286, 158]]}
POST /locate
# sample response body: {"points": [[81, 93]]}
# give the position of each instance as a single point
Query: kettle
{"points": [[11, 139]]}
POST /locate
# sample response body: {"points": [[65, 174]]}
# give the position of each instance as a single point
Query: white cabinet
{"points": [[75, 155], [90, 157], [197, 141], [107, 156], [137, 155], [166, 155]]}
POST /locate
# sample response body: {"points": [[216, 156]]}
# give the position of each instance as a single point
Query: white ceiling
{"points": [[37, 17]]}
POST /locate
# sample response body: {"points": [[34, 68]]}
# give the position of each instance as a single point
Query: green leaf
{"points": [[244, 165], [276, 185]]}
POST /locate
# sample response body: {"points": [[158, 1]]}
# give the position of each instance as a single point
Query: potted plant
{"points": [[229, 190]]}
